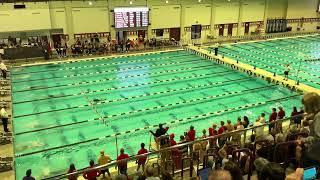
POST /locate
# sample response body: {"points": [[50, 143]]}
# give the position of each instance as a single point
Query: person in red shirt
{"points": [[172, 141], [142, 160], [91, 173], [272, 117], [122, 165], [191, 134], [281, 113], [213, 132], [221, 129]]}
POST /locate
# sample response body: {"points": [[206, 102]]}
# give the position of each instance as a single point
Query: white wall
{"points": [[302, 8], [197, 14], [33, 17], [253, 10], [58, 19], [226, 12], [165, 16], [90, 20]]}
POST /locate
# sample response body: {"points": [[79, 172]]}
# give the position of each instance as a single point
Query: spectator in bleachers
{"points": [[151, 174], [191, 134], [262, 118], [258, 131], [160, 132], [220, 175], [305, 127], [268, 170], [142, 160], [166, 175], [204, 143], [311, 102], [184, 149], [103, 160], [72, 169], [294, 117], [123, 164], [229, 126], [213, 132], [222, 130], [238, 121], [236, 137], [281, 113], [245, 122], [91, 173], [172, 141], [234, 170], [4, 118], [4, 70], [297, 175], [28, 175], [273, 116]]}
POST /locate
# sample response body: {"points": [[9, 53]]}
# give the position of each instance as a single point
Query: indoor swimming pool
{"points": [[67, 112]]}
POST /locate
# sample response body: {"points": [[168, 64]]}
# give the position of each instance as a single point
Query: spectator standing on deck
{"points": [[246, 122], [4, 70], [123, 164], [262, 118], [72, 169], [142, 160], [4, 118], [286, 72], [213, 132], [294, 117], [272, 117], [91, 173], [28, 175], [281, 113], [103, 160], [191, 134], [160, 132]]}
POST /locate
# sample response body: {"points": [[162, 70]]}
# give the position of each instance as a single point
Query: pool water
{"points": [[301, 53], [67, 112]]}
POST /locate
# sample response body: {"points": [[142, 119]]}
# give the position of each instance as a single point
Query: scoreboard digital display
{"points": [[134, 17]]}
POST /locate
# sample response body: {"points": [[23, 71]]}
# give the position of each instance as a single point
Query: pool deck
{"points": [[7, 149], [278, 79]]}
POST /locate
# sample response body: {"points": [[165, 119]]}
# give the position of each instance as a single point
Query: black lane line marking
{"points": [[129, 86], [157, 74], [105, 101], [113, 70], [103, 64], [153, 126], [147, 109], [266, 66]]}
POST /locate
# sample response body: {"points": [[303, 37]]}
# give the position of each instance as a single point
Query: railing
{"points": [[169, 149]]}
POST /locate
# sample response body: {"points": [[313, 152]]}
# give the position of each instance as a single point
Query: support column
{"points": [[213, 18], [240, 18], [265, 16], [69, 19]]}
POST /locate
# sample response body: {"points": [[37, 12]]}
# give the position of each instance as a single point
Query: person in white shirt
{"points": [[262, 118], [259, 130], [4, 70], [4, 117]]}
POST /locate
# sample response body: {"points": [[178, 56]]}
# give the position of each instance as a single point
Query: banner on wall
{"points": [[196, 31]]}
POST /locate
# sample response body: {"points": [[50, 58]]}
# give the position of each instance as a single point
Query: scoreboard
{"points": [[131, 17]]}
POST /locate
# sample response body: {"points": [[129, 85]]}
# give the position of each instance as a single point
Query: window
{"points": [[159, 32]]}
